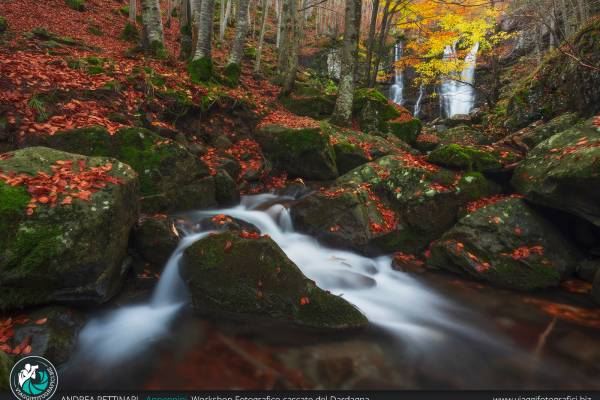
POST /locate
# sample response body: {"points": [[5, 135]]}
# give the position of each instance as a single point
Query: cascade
{"points": [[457, 95]]}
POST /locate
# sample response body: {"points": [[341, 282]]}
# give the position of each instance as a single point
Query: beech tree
{"points": [[343, 104], [153, 28], [233, 68], [132, 11]]}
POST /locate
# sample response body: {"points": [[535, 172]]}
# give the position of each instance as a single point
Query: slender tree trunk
{"points": [[132, 11], [292, 39], [286, 36], [371, 39], [380, 43], [205, 28], [225, 21], [241, 29], [263, 25], [153, 27], [169, 12], [279, 21], [342, 112]]}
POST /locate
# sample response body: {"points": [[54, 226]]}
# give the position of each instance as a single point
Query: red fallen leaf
{"points": [[304, 301], [43, 200], [259, 294], [27, 349], [41, 321], [228, 246], [67, 200], [518, 231]]}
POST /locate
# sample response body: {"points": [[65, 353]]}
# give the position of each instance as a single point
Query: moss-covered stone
{"points": [[226, 190], [154, 238], [304, 152], [470, 158], [200, 70], [534, 136], [70, 252], [231, 74], [507, 244], [166, 169], [562, 172], [315, 106], [465, 135], [229, 275], [373, 110], [407, 131]]}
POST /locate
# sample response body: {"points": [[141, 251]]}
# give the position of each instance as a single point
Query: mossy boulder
{"points": [[407, 131], [6, 364], [536, 135], [317, 106], [201, 70], [171, 178], [226, 190], [507, 244], [355, 148], [396, 203], [155, 238], [472, 158], [373, 110], [56, 337], [231, 275], [562, 172], [561, 83], [464, 135], [303, 152], [70, 252]]}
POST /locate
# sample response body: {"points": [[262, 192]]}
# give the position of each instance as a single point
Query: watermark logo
{"points": [[33, 378]]}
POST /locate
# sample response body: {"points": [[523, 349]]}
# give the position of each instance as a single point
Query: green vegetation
{"points": [[77, 5], [200, 70]]}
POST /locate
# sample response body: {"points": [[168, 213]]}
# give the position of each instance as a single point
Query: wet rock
{"points": [[562, 172], [223, 223], [457, 120], [533, 137], [464, 135], [397, 203], [473, 158], [507, 244], [232, 167], [227, 193], [587, 269], [222, 142], [52, 332], [6, 364], [560, 84], [373, 110], [229, 274], [155, 238], [170, 176], [406, 130], [67, 253], [305, 153], [315, 105]]}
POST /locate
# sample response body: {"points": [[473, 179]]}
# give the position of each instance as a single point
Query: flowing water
{"points": [[410, 319], [457, 95], [419, 100], [397, 88]]}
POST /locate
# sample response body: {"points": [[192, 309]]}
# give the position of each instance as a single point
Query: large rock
{"points": [[533, 137], [561, 83], [373, 110], [473, 158], [396, 203], [171, 178], [239, 274], [6, 364], [155, 238], [562, 172], [304, 152], [70, 250], [507, 244], [464, 135]]}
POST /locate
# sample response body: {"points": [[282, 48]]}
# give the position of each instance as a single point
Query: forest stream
{"points": [[433, 331]]}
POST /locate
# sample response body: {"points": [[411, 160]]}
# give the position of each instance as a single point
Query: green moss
{"points": [[200, 70], [77, 5], [3, 24], [406, 131], [30, 250], [522, 277], [124, 11], [13, 202], [38, 104], [232, 74], [157, 50], [463, 157], [130, 33], [303, 140], [95, 69], [95, 30], [379, 101], [315, 106], [6, 364]]}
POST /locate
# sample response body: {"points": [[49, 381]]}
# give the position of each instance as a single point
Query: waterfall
{"points": [[397, 89], [457, 94], [419, 100]]}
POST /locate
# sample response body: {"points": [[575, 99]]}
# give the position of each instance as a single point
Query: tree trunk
{"points": [[153, 27], [241, 29], [342, 112], [292, 44], [263, 26], [371, 39], [132, 11], [380, 43], [224, 21], [286, 35], [205, 28], [279, 21]]}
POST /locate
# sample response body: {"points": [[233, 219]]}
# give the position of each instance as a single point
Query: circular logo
{"points": [[33, 378]]}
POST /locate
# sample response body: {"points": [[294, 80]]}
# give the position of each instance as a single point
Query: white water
{"points": [[457, 95], [419, 100], [397, 89], [392, 300]]}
